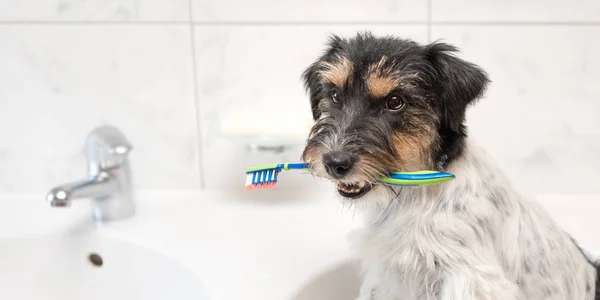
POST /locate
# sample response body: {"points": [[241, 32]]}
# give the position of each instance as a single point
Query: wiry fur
{"points": [[474, 238]]}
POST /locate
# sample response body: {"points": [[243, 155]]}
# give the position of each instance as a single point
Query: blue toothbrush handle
{"points": [[420, 176], [293, 166]]}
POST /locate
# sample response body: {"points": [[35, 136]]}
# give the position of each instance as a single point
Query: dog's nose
{"points": [[338, 164]]}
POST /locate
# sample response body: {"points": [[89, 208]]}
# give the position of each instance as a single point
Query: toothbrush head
{"points": [[262, 177], [265, 177]]}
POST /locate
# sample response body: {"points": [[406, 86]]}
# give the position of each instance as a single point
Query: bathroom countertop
{"points": [[241, 247]]}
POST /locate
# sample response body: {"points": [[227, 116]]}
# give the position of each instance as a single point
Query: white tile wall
{"points": [[67, 66], [58, 82], [94, 10], [310, 10], [541, 115], [516, 10]]}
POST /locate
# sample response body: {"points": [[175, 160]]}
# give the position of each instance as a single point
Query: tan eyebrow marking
{"points": [[381, 86], [382, 80], [339, 73]]}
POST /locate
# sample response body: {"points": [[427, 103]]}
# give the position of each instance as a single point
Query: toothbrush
{"points": [[265, 176]]}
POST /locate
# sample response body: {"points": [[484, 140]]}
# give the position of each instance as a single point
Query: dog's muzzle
{"points": [[339, 165]]}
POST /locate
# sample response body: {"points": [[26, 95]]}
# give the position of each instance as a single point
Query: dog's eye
{"points": [[334, 97], [394, 103]]}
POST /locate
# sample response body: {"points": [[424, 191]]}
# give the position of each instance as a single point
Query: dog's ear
{"points": [[457, 83], [312, 79]]}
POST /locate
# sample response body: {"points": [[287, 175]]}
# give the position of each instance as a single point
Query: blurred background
{"points": [[204, 89]]}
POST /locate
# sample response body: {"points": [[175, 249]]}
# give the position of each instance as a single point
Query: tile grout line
{"points": [[429, 21], [62, 22], [232, 23], [196, 99], [300, 23], [513, 23]]}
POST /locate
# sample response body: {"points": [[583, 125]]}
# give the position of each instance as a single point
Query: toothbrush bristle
{"points": [[266, 179]]}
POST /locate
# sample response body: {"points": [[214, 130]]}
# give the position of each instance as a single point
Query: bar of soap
{"points": [[266, 124]]}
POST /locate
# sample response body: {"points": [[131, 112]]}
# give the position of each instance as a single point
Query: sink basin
{"points": [[91, 268], [341, 282]]}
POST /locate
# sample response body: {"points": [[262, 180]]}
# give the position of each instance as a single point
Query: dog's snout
{"points": [[338, 164]]}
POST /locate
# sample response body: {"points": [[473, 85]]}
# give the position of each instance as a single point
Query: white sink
{"points": [[273, 247], [60, 268], [341, 282]]}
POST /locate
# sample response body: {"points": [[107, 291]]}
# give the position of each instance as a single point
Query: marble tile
{"points": [[258, 68], [94, 10], [309, 11], [516, 10], [541, 115], [59, 82]]}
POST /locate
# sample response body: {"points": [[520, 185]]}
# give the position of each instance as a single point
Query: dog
{"points": [[384, 104]]}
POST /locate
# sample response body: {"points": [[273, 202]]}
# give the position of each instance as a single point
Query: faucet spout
{"points": [[99, 185]]}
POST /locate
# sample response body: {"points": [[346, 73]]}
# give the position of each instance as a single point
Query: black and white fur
{"points": [[386, 104], [476, 238]]}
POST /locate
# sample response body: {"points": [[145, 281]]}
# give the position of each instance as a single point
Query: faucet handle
{"points": [[110, 139], [106, 147]]}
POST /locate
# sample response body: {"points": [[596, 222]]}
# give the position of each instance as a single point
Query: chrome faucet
{"points": [[109, 181]]}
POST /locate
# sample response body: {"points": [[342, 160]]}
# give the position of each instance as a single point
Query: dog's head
{"points": [[385, 104]]}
